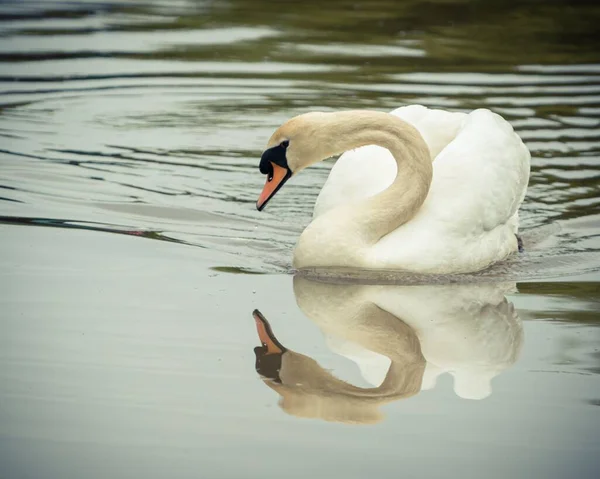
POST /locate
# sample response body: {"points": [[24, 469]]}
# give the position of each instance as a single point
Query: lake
{"points": [[142, 291]]}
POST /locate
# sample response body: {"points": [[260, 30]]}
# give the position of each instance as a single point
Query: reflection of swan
{"points": [[308, 390], [401, 337], [457, 214]]}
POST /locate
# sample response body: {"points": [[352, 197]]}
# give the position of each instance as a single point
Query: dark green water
{"points": [[131, 354]]}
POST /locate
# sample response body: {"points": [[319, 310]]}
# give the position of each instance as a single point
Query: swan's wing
{"points": [[437, 127], [480, 177], [366, 171], [471, 212]]}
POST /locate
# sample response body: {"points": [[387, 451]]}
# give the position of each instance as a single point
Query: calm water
{"points": [[132, 354]]}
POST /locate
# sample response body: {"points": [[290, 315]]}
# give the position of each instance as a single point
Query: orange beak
{"points": [[265, 334], [274, 181]]}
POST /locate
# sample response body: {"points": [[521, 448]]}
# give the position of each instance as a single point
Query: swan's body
{"points": [[447, 204]]}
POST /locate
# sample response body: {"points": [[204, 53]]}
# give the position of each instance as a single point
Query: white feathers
{"points": [[470, 216]]}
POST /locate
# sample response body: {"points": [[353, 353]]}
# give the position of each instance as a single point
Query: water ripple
{"points": [[121, 113]]}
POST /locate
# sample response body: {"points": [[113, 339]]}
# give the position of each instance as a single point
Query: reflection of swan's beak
{"points": [[266, 336], [269, 354]]}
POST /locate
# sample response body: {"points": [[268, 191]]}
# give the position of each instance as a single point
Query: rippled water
{"points": [[147, 118], [137, 116]]}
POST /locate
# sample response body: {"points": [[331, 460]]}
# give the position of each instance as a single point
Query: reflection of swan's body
{"points": [[456, 214], [468, 330]]}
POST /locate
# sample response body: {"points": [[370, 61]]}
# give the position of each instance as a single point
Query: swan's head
{"points": [[296, 144]]}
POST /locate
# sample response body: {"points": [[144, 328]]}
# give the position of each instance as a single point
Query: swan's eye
{"points": [[284, 144]]}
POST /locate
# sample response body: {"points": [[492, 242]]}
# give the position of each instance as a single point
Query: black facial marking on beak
{"points": [[266, 167], [273, 163], [275, 155]]}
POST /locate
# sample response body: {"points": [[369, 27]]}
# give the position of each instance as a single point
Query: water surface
{"points": [[130, 134]]}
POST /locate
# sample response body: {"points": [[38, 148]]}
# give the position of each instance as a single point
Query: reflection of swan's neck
{"points": [[402, 380], [379, 331], [308, 390], [376, 216]]}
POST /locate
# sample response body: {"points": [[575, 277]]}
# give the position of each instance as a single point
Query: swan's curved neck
{"points": [[375, 217]]}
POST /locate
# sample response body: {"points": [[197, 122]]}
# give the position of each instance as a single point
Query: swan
{"points": [[401, 337], [447, 204]]}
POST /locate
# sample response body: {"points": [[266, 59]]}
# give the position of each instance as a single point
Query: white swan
{"points": [[447, 204]]}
